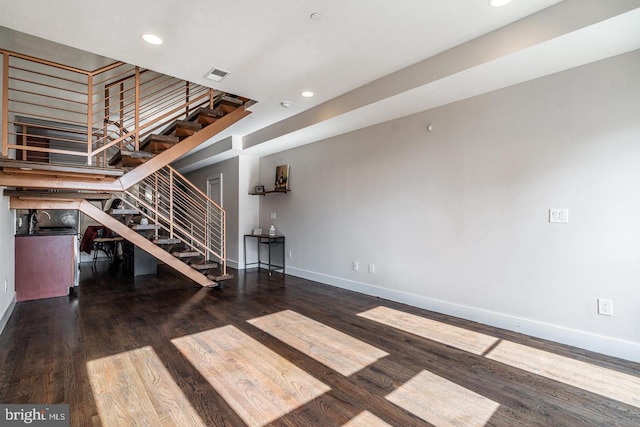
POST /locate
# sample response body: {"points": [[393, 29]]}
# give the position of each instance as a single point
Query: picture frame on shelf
{"points": [[259, 189], [282, 178], [257, 231]]}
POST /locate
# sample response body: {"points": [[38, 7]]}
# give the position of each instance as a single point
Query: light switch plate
{"points": [[558, 215]]}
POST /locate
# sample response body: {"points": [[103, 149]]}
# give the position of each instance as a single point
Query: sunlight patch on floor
{"points": [[332, 348], [135, 388], [605, 382], [463, 339], [256, 382], [442, 402], [365, 419]]}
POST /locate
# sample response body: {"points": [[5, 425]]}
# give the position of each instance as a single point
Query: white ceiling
{"points": [[368, 61]]}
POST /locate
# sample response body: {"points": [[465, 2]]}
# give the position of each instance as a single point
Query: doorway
{"points": [[214, 218]]}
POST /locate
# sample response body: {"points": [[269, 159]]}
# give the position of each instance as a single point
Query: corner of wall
{"points": [[7, 254]]}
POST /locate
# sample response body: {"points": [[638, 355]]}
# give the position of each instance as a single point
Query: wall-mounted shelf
{"points": [[264, 193]]}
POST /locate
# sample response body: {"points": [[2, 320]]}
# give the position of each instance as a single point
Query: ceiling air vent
{"points": [[216, 74]]}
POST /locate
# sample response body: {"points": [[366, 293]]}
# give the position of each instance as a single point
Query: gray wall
{"points": [[241, 208], [229, 171], [7, 259], [456, 220]]}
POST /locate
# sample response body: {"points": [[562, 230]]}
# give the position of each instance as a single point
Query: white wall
{"points": [[456, 220], [229, 171], [7, 260], [239, 174], [248, 205]]}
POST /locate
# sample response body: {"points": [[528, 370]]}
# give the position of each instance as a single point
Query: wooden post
{"points": [[89, 118], [171, 203], [5, 104], [137, 108], [24, 155], [105, 126], [187, 98], [223, 232], [156, 193], [121, 114]]}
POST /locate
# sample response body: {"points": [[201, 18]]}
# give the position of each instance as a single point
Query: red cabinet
{"points": [[44, 266]]}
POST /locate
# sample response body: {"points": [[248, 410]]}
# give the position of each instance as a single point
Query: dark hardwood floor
{"points": [[160, 350]]}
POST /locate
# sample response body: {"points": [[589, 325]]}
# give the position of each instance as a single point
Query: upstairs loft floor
{"points": [[287, 351]]}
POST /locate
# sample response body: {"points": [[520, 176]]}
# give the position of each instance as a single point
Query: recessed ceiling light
{"points": [[285, 104], [315, 16], [498, 3], [307, 94], [152, 39]]}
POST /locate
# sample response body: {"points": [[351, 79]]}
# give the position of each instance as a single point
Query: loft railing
{"points": [[183, 211], [60, 114]]}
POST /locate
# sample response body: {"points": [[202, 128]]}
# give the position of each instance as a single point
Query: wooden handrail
{"points": [[45, 62]]}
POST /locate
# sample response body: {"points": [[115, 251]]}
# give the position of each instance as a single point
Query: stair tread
{"points": [[166, 241], [182, 124], [130, 158], [145, 227], [157, 137], [204, 265], [130, 153], [230, 100], [209, 112], [158, 143], [185, 254], [126, 211], [220, 277]]}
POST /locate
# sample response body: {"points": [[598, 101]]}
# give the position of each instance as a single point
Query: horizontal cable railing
{"points": [[60, 114], [183, 212]]}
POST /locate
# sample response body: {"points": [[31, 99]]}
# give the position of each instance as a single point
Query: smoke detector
{"points": [[216, 74]]}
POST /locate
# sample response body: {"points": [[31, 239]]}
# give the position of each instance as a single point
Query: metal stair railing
{"points": [[183, 211], [55, 113]]}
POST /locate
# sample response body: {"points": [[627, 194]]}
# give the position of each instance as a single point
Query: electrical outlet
{"points": [[355, 265], [605, 307], [372, 269], [289, 254], [6, 285], [273, 215]]}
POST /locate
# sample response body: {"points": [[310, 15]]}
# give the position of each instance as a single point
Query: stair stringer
{"points": [[146, 245], [112, 223]]}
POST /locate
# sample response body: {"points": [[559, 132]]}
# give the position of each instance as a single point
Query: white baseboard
{"points": [[233, 264], [5, 316], [585, 340]]}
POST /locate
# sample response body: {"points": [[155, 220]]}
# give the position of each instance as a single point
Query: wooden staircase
{"points": [[136, 123], [176, 132], [176, 247]]}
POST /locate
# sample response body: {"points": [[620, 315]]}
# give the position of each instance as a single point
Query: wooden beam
{"points": [[35, 203], [57, 195], [57, 183], [58, 174], [57, 167]]}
